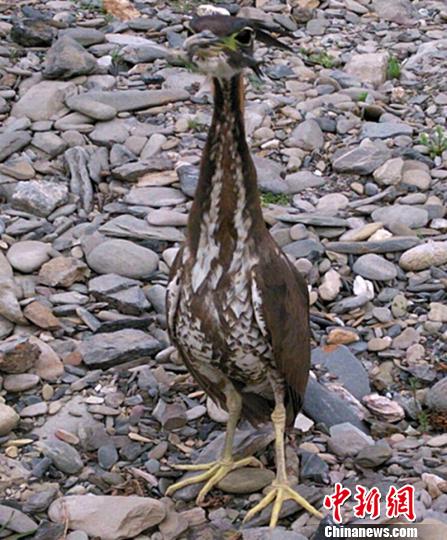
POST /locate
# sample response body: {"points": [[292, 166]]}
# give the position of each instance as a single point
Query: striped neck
{"points": [[226, 207]]}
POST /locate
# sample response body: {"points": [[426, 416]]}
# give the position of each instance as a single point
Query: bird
{"points": [[237, 308]]}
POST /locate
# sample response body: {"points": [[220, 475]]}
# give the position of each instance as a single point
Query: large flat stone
{"points": [[132, 100], [50, 97], [106, 350]]}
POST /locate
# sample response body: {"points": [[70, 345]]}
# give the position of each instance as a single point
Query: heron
{"points": [[237, 308]]}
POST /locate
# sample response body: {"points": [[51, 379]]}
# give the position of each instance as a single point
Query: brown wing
{"points": [[285, 308]]}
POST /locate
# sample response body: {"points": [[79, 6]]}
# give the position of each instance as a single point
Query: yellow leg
{"points": [[280, 489], [216, 470]]}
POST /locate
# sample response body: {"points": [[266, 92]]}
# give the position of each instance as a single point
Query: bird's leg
{"points": [[280, 489], [216, 470]]}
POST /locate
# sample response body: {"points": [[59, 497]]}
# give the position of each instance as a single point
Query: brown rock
{"points": [[41, 316], [341, 336], [17, 355], [62, 272], [48, 365], [170, 415], [108, 517]]}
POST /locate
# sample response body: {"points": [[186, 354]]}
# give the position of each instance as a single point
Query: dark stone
{"points": [[106, 350], [313, 468], [326, 407], [341, 362], [32, 33]]}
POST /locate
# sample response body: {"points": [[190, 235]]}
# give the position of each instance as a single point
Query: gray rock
{"points": [[106, 350], [94, 109], [347, 440], [127, 226], [385, 130], [363, 159], [50, 95], [144, 53], [326, 407], [188, 176], [304, 248], [369, 68], [411, 216], [437, 396], [13, 520], [107, 456], [50, 143], [123, 258], [66, 58], [390, 173], [373, 456], [41, 500], [375, 267], [157, 297], [64, 456], [269, 175], [122, 293], [132, 100], [39, 197], [30, 32], [302, 180], [398, 11], [9, 419], [12, 142], [127, 516], [5, 267], [20, 382], [313, 468], [154, 196], [400, 243], [246, 480], [308, 136], [107, 133], [9, 304], [339, 361], [84, 36], [267, 533]]}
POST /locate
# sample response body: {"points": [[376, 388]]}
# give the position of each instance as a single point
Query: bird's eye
{"points": [[245, 36]]}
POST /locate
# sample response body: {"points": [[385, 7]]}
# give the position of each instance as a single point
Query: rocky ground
{"points": [[101, 133]]}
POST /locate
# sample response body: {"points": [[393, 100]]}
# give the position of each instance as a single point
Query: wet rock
{"points": [[105, 350], [9, 419], [127, 516], [62, 272]]}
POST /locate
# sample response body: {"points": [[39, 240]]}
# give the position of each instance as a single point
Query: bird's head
{"points": [[222, 46]]}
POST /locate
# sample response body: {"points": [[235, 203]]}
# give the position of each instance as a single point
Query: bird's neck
{"points": [[226, 209]]}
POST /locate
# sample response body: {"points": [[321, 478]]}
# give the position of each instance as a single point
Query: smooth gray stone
{"points": [[400, 243]]}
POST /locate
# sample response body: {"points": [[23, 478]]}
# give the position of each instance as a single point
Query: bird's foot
{"points": [[279, 493], [212, 475]]}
